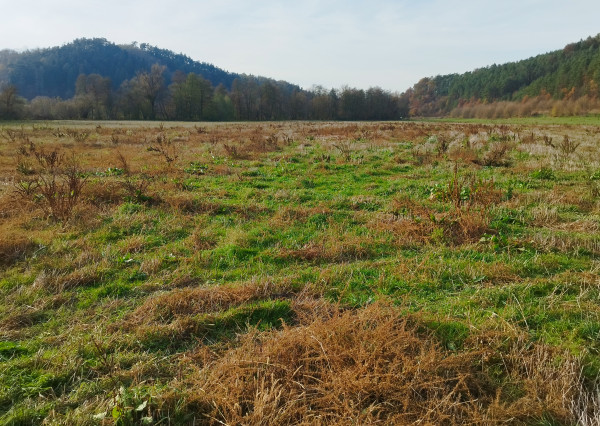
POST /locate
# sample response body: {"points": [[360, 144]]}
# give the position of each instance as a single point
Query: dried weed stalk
{"points": [[55, 181]]}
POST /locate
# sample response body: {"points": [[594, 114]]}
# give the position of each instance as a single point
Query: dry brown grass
{"points": [[203, 239], [285, 215], [51, 178], [57, 281], [528, 107], [15, 322], [14, 246], [189, 314], [496, 154], [332, 247], [196, 300], [102, 194], [466, 221], [566, 243], [192, 204], [24, 317], [374, 366]]}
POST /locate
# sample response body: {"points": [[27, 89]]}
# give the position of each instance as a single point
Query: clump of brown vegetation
{"points": [[193, 300], [496, 154], [233, 151], [57, 281], [467, 220], [528, 107], [374, 366], [135, 184], [332, 249], [14, 246], [567, 146], [49, 178]]}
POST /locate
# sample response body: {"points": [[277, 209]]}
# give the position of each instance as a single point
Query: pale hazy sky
{"points": [[386, 43]]}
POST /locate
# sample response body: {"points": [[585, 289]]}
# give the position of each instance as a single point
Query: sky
{"points": [[332, 43]]}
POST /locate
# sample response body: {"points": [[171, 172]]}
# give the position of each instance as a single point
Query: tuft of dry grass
{"points": [[13, 247], [375, 366], [413, 222], [496, 154], [330, 249], [57, 281], [188, 301]]}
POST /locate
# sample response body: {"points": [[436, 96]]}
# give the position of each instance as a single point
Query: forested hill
{"points": [[94, 78], [53, 71], [572, 72]]}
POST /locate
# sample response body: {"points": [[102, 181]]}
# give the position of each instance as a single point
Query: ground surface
{"points": [[312, 273]]}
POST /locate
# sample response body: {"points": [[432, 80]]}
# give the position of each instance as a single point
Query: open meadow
{"points": [[299, 272]]}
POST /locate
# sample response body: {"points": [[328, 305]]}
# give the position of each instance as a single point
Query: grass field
{"points": [[310, 273], [542, 120]]}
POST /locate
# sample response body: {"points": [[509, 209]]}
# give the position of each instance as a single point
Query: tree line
{"points": [[152, 95], [44, 84]]}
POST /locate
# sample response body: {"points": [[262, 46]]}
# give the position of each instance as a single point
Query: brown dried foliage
{"points": [[466, 221], [496, 154], [188, 301], [55, 181], [13, 247], [332, 248], [165, 147], [374, 366], [57, 281]]}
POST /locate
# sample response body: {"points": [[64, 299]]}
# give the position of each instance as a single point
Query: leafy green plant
{"points": [[114, 171], [196, 168], [544, 173], [130, 407]]}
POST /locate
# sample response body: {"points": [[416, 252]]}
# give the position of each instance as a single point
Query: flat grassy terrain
{"points": [[305, 273], [541, 120]]}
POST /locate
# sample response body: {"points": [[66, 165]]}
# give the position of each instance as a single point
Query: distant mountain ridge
{"points": [[53, 71]]}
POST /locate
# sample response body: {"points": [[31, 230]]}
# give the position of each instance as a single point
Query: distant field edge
{"points": [[592, 120]]}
